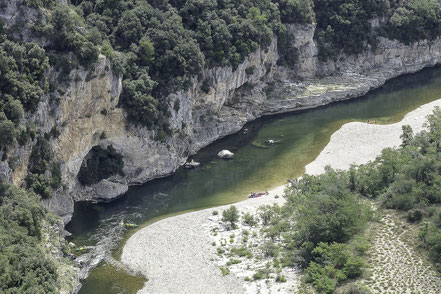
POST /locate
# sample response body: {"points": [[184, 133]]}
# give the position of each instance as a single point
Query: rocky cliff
{"points": [[87, 112]]}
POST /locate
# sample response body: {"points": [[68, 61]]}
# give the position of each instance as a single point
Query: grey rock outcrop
{"points": [[5, 171], [104, 191], [225, 154], [192, 164]]}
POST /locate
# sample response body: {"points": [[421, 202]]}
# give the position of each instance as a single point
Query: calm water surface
{"points": [[255, 167]]}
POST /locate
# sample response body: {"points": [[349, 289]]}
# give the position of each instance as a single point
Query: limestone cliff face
{"points": [[314, 82], [389, 56], [201, 119], [87, 113]]}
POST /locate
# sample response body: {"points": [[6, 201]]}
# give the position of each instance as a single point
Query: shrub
{"points": [[250, 70], [7, 133], [55, 181], [414, 216], [281, 278], [267, 214], [249, 219], [205, 86], [231, 215], [14, 110], [258, 275], [353, 267], [41, 156], [225, 271], [65, 33], [323, 278], [326, 210], [39, 184], [296, 11], [241, 252]]}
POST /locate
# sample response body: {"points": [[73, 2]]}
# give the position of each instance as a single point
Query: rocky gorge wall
{"points": [[87, 113]]}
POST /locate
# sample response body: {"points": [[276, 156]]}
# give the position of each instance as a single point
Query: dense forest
{"points": [[158, 46]]}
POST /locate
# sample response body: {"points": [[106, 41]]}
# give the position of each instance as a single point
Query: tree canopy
{"points": [[24, 267]]}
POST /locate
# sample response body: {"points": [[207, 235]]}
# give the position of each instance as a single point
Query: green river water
{"points": [[255, 167]]}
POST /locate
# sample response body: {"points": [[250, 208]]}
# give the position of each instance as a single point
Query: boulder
{"points": [[271, 142], [225, 154], [65, 234], [107, 191], [191, 164]]}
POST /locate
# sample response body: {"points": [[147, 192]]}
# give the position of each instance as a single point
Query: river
{"points": [[255, 168]]}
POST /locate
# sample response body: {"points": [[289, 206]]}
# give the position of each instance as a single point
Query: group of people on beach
{"points": [[373, 123]]}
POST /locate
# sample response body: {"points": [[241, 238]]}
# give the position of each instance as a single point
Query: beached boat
{"points": [[256, 195]]}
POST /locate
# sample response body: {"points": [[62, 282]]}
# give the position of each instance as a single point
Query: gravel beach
{"points": [[176, 253]]}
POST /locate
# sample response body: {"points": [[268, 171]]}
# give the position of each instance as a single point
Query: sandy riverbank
{"points": [[176, 254]]}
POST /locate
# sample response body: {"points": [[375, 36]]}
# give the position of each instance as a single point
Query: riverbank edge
{"points": [[342, 151], [369, 82], [343, 86]]}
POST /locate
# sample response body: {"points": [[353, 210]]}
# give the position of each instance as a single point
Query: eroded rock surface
{"points": [[88, 112]]}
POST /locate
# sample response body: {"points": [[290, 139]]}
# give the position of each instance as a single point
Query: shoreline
{"points": [[176, 253]]}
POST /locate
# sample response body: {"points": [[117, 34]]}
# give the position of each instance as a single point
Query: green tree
{"points": [[142, 107], [406, 136], [326, 211], [231, 215], [39, 184], [14, 110], [415, 20], [296, 11], [146, 52], [7, 133]]}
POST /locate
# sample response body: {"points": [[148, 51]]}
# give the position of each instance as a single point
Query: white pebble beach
{"points": [[176, 253]]}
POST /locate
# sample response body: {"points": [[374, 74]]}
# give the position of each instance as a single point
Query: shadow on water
{"points": [[255, 167]]}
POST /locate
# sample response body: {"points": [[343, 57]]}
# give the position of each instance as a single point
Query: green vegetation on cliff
{"points": [[348, 26], [67, 31], [24, 267], [160, 46], [22, 83], [415, 20], [344, 26]]}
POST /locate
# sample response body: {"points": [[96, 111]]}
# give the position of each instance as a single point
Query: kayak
{"points": [[255, 195], [122, 224]]}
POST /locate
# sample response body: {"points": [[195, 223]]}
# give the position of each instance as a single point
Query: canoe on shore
{"points": [[255, 195]]}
